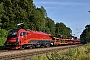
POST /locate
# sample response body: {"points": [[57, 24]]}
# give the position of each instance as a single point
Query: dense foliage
{"points": [[16, 11], [3, 35], [78, 53], [85, 36], [13, 12], [62, 30]]}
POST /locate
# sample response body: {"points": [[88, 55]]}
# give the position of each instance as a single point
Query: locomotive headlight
{"points": [[52, 44]]}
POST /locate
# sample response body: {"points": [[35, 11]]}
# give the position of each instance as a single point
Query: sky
{"points": [[73, 13]]}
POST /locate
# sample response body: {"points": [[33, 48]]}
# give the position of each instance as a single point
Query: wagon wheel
{"points": [[42, 46], [47, 45], [33, 46], [22, 47]]}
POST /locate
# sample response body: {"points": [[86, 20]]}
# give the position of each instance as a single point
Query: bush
{"points": [[3, 33], [55, 56], [78, 53], [3, 36], [2, 41]]}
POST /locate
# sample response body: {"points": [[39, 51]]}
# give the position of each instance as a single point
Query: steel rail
{"points": [[36, 52]]}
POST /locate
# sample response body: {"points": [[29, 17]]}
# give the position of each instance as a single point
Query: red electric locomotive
{"points": [[21, 38]]}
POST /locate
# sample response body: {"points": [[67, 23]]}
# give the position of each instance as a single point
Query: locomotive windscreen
{"points": [[13, 33]]}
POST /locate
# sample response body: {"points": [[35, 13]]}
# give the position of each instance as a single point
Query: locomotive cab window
{"points": [[22, 33], [13, 33]]}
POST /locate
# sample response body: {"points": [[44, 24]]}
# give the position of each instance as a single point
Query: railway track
{"points": [[3, 51], [10, 55], [6, 50]]}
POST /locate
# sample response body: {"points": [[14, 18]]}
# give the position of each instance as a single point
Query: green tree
{"points": [[1, 13], [61, 29], [50, 26], [44, 11], [17, 11], [87, 33], [85, 36]]}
